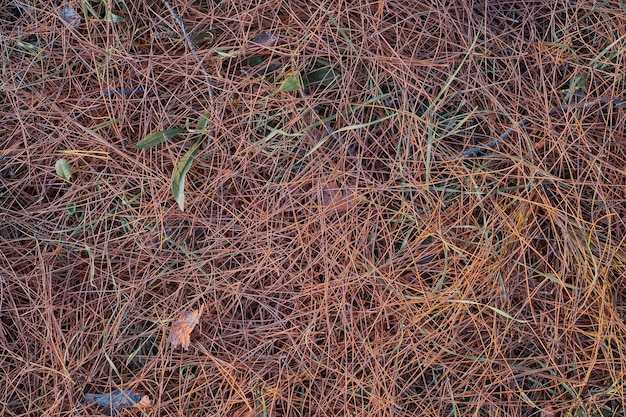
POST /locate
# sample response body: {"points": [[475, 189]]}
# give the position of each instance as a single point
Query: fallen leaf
{"points": [[156, 138], [292, 82], [113, 18], [339, 199], [180, 173], [70, 16], [63, 169], [181, 329], [264, 38], [323, 76], [144, 402], [119, 399], [227, 54]]}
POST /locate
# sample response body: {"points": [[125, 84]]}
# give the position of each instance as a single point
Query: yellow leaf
{"points": [[293, 82]]}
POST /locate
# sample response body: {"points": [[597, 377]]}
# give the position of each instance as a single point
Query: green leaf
{"points": [[293, 82], [155, 138], [180, 173], [113, 18], [33, 49], [205, 38], [203, 122], [229, 54], [92, 264], [28, 46], [253, 61], [107, 123], [71, 208], [322, 76], [63, 169], [90, 9]]}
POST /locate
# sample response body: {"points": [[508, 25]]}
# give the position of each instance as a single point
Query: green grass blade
{"points": [[495, 310], [180, 173]]}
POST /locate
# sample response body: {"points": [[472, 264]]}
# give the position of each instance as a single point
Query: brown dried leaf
{"points": [[181, 329], [144, 402], [338, 199]]}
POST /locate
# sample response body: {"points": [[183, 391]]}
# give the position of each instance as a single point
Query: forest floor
{"points": [[367, 208]]}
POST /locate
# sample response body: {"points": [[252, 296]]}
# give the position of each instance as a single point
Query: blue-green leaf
{"points": [[63, 169]]}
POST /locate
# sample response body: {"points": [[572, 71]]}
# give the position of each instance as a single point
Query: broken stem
{"points": [[194, 51]]}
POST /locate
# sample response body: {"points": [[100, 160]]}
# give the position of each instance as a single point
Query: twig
{"points": [[620, 102], [194, 51]]}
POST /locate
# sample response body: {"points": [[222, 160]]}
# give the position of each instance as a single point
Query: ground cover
{"points": [[312, 208]]}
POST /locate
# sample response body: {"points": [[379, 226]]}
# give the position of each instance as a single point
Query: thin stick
{"points": [[194, 51], [620, 102]]}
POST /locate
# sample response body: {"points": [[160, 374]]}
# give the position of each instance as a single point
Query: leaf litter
{"points": [[118, 400], [180, 332]]}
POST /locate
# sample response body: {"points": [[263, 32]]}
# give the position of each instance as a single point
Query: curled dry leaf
{"points": [[181, 329], [144, 402]]}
